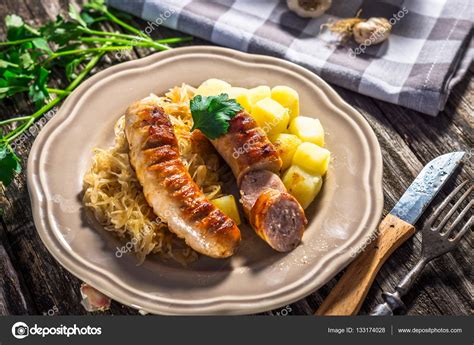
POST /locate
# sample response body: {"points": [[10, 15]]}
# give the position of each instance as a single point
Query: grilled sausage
{"points": [[168, 187], [254, 184], [245, 147], [275, 215]]}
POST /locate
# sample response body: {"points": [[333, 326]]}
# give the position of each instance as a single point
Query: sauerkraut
{"points": [[114, 195]]}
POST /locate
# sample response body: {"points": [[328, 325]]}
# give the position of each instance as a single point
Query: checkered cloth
{"points": [[429, 50]]}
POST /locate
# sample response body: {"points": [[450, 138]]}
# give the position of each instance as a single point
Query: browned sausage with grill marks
{"points": [[276, 215], [245, 147], [168, 187]]}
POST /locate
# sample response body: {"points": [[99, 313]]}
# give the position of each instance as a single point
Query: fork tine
{"points": [[453, 209], [459, 218], [441, 207], [464, 229]]}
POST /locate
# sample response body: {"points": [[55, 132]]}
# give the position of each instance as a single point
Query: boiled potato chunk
{"points": [[243, 100], [240, 94], [213, 87], [286, 145], [235, 92], [302, 185], [288, 98], [248, 97], [228, 205], [308, 130], [258, 93], [312, 158], [271, 116]]}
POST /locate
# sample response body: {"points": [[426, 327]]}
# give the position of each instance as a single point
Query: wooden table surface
{"points": [[32, 282]]}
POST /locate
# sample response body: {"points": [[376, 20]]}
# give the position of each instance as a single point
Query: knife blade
{"points": [[426, 185], [350, 291]]}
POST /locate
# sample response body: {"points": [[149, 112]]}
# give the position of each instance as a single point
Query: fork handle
{"points": [[407, 282], [350, 291], [393, 300]]}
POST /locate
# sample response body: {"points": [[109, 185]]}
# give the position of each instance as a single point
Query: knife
{"points": [[350, 291]]}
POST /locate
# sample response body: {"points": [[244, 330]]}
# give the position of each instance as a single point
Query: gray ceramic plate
{"points": [[257, 278]]}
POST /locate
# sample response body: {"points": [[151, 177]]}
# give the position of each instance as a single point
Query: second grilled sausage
{"points": [[246, 147], [275, 215]]}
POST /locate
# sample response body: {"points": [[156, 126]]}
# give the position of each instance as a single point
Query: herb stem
{"points": [[134, 38], [99, 19], [57, 91], [16, 119], [175, 40], [103, 39], [19, 131], [8, 63], [140, 43], [88, 50], [130, 28], [90, 65], [108, 33], [11, 43], [32, 30]]}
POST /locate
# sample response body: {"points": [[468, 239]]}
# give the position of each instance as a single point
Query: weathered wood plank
{"points": [[13, 299]]}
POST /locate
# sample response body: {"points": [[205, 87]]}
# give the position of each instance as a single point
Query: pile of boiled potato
{"points": [[298, 139]]}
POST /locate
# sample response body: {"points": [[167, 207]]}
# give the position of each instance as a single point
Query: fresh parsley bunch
{"points": [[73, 46]]}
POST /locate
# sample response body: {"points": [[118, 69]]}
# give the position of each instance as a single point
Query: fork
{"points": [[434, 243]]}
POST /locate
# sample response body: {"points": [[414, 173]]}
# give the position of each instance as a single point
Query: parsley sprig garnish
{"points": [[73, 46], [211, 114]]}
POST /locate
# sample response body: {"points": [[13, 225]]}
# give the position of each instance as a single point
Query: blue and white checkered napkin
{"points": [[429, 50]]}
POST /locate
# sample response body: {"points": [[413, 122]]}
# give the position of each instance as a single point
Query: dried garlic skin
{"points": [[93, 300], [309, 8], [374, 30]]}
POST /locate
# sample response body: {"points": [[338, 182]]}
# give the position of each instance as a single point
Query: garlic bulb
{"points": [[372, 31], [309, 8]]}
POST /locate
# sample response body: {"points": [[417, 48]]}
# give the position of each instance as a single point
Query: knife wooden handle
{"points": [[350, 291]]}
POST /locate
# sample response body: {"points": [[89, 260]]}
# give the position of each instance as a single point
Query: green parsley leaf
{"points": [[75, 16], [212, 114], [71, 67], [18, 29], [87, 18], [60, 31], [38, 90], [3, 150], [26, 61], [15, 27], [9, 165], [6, 64], [97, 5], [42, 44]]}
